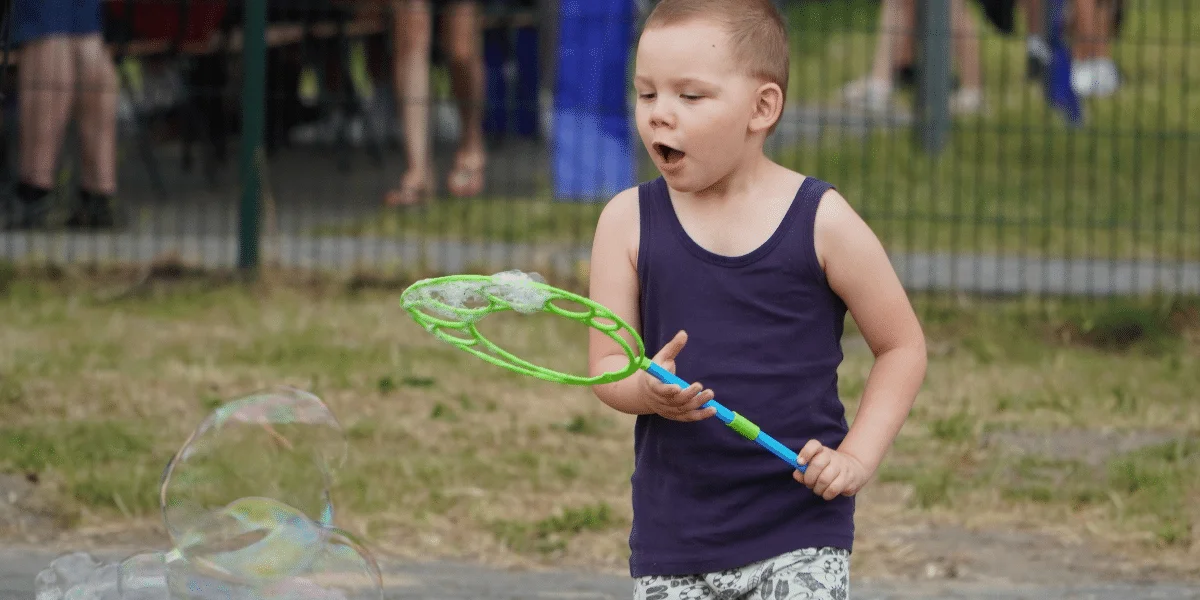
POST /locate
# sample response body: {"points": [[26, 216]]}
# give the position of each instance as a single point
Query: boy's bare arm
{"points": [[613, 283], [858, 270]]}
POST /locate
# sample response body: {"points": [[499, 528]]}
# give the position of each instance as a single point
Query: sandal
{"points": [[409, 193], [466, 178]]}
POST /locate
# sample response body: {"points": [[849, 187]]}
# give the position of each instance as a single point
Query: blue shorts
{"points": [[36, 19]]}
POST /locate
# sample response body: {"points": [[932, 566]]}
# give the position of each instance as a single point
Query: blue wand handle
{"points": [[735, 421]]}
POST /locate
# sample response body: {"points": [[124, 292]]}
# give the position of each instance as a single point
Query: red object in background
{"points": [[160, 19]]}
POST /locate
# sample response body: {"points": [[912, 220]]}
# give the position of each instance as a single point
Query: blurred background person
{"points": [[64, 68], [461, 39]]}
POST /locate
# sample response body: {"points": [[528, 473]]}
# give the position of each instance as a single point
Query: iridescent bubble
{"points": [[246, 502], [283, 444], [253, 541], [101, 584], [63, 574], [343, 571], [144, 577]]}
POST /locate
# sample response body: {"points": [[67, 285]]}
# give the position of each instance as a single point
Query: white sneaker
{"points": [[966, 101], [871, 94], [1095, 77]]}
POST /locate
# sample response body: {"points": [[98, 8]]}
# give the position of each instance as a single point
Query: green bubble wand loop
{"points": [[451, 306]]}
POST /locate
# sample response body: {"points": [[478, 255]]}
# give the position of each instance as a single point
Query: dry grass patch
{"points": [[1018, 427]]}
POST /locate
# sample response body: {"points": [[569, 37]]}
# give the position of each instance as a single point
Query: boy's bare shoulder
{"points": [[619, 221], [834, 208], [622, 206], [620, 213], [839, 226]]}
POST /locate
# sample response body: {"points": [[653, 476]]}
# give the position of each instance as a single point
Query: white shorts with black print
{"points": [[806, 574]]}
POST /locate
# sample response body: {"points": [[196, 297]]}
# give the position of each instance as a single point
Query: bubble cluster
{"points": [[471, 299], [247, 506]]}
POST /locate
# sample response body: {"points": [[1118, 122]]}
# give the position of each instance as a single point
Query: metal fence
{"points": [[255, 134]]}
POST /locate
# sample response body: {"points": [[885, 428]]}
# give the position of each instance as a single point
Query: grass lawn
{"points": [[1012, 180], [1078, 419]]}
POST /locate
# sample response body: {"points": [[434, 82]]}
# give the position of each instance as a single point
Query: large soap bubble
{"points": [[282, 444], [247, 505]]}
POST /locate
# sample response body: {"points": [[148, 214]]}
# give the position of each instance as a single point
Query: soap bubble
{"points": [[144, 577], [469, 300], [247, 505], [515, 288], [252, 541], [77, 576], [282, 444]]}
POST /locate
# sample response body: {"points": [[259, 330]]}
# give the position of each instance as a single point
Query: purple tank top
{"points": [[764, 333]]}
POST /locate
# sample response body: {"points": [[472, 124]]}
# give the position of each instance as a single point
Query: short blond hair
{"points": [[755, 28]]}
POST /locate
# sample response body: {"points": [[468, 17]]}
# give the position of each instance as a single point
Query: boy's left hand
{"points": [[830, 473]]}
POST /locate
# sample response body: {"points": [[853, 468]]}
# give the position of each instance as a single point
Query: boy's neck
{"points": [[744, 183]]}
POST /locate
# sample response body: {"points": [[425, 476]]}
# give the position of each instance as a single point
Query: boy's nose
{"points": [[661, 115]]}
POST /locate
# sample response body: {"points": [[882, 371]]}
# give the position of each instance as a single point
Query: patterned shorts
{"points": [[806, 574]]}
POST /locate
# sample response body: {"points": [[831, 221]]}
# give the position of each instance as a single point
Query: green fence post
{"points": [[254, 61], [933, 68]]}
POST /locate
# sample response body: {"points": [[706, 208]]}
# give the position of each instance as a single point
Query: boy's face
{"points": [[694, 104]]}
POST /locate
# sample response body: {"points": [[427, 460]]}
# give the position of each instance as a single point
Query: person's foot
{"points": [[16, 215], [95, 211], [27, 208], [1037, 57], [1095, 77], [466, 177], [906, 77], [867, 93], [967, 101], [414, 189]]}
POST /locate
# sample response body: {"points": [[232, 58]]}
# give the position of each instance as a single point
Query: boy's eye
{"points": [[646, 96], [690, 96]]}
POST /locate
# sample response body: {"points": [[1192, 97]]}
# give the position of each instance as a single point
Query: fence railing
{"points": [[253, 133]]}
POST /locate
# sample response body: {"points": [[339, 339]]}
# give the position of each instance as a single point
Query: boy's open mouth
{"points": [[669, 155]]}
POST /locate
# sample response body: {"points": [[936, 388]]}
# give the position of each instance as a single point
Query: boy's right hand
{"points": [[667, 399]]}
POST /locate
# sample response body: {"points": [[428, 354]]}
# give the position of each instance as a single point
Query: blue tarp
{"points": [[511, 70], [1059, 92], [593, 141]]}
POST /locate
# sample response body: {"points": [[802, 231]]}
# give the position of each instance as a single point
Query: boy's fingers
{"points": [[816, 465], [682, 397], [664, 390], [808, 451], [827, 477], [834, 489], [670, 351], [699, 399], [696, 415]]}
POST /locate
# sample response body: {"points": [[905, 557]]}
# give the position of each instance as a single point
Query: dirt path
{"points": [[901, 561], [461, 581]]}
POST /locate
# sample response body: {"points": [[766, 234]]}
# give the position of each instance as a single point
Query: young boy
{"points": [[758, 265]]}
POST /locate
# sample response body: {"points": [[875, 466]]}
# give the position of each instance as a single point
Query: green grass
{"points": [[449, 456], [1014, 180]]}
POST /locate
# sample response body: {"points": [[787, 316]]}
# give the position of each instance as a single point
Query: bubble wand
{"points": [[449, 307]]}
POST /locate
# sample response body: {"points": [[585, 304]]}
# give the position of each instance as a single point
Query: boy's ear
{"points": [[768, 105]]}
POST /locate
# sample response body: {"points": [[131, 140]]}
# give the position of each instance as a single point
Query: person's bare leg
{"points": [[462, 38], [1037, 45], [1092, 26], [47, 85], [904, 40], [1093, 72], [966, 51], [97, 115], [411, 37], [966, 44], [1082, 17], [1035, 20], [1105, 20], [893, 44]]}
